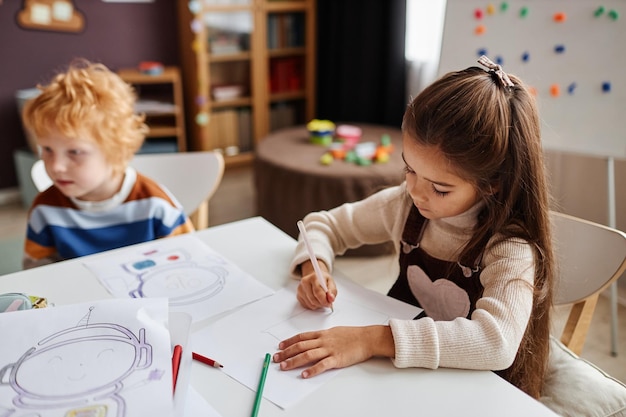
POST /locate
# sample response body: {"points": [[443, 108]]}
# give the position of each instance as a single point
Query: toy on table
{"points": [[19, 301], [346, 146], [321, 131]]}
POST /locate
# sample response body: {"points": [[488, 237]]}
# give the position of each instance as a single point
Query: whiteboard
{"points": [[575, 55]]}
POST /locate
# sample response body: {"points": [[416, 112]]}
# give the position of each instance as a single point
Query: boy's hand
{"points": [[310, 293]]}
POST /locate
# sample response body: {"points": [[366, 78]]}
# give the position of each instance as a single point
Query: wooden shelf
{"points": [[247, 31], [160, 98]]}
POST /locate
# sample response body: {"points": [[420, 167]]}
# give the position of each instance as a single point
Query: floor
{"points": [[234, 200]]}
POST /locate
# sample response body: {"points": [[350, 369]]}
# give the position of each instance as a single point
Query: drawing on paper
{"points": [[171, 274], [194, 278], [81, 371]]}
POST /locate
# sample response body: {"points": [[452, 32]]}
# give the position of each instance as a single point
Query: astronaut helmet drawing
{"points": [[79, 368]]}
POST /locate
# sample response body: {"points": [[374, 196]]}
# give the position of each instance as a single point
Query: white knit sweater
{"points": [[490, 338]]}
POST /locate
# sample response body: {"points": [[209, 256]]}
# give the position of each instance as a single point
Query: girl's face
{"points": [[437, 191], [78, 167]]}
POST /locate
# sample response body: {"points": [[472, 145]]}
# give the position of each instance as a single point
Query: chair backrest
{"points": [[590, 258], [192, 177]]}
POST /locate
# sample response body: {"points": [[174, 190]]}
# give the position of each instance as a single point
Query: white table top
{"points": [[373, 388]]}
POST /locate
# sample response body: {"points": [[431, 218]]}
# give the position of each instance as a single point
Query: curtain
{"points": [[361, 67]]}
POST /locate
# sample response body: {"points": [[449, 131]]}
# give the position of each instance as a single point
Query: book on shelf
{"points": [[154, 107], [282, 115], [244, 119], [285, 30], [286, 74], [223, 132]]}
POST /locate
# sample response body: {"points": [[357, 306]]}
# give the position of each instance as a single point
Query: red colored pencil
{"points": [[176, 356], [205, 360]]}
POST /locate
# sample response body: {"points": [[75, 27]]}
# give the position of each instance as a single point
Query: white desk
{"points": [[373, 388]]}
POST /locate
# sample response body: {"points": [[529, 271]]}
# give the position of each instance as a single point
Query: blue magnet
{"points": [[571, 88]]}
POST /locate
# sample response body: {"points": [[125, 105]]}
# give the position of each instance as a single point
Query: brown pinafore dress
{"points": [[445, 290]]}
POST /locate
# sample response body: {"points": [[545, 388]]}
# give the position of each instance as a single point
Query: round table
{"points": [[291, 182]]}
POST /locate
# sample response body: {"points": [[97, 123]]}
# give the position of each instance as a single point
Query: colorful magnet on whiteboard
{"points": [[499, 60], [571, 88], [613, 14], [525, 57], [490, 9], [559, 49], [480, 29], [194, 6], [532, 91], [478, 14], [523, 12], [504, 6], [196, 25], [202, 119], [599, 11], [481, 52], [555, 90], [606, 87], [560, 17]]}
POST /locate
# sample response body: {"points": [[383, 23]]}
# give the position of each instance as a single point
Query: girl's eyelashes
{"points": [[440, 193], [408, 170]]}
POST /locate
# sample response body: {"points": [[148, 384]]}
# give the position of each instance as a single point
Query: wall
{"points": [[116, 34]]}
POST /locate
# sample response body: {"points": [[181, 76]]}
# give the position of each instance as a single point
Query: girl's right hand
{"points": [[310, 293]]}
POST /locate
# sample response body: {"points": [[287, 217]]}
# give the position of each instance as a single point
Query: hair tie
{"points": [[497, 69]]}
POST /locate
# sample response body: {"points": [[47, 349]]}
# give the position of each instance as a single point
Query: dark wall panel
{"points": [[116, 34]]}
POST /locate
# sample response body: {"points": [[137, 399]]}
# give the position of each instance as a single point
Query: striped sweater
{"points": [[60, 227]]}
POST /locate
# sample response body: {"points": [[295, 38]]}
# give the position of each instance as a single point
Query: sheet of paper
{"points": [[240, 340], [196, 406], [101, 358], [196, 279]]}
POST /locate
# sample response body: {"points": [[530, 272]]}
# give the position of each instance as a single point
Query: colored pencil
{"points": [[316, 265], [206, 361], [176, 356], [259, 391]]}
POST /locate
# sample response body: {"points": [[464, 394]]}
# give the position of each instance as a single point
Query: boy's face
{"points": [[77, 167], [437, 191]]}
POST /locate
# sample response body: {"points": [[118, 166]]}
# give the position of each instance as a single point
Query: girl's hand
{"points": [[311, 295], [337, 347]]}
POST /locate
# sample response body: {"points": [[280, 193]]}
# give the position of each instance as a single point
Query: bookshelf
{"points": [[160, 98], [248, 69]]}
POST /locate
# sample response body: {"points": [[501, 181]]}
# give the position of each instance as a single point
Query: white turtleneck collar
{"points": [[130, 176]]}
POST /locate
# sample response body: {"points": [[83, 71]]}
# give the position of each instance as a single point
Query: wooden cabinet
{"points": [[160, 98], [248, 69]]}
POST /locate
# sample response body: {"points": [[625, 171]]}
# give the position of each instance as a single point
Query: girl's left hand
{"points": [[337, 347]]}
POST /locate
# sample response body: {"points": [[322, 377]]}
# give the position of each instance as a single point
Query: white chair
{"points": [[590, 258], [193, 177]]}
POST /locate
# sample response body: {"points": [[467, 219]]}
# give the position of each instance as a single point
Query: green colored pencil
{"points": [[259, 391]]}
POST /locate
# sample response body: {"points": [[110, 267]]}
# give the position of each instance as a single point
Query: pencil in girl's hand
{"points": [[316, 265]]}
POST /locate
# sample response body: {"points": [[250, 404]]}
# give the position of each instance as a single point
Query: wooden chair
{"points": [[590, 258], [192, 177]]}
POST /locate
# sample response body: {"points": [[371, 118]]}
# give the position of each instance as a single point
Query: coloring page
{"points": [[196, 279], [108, 358]]}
